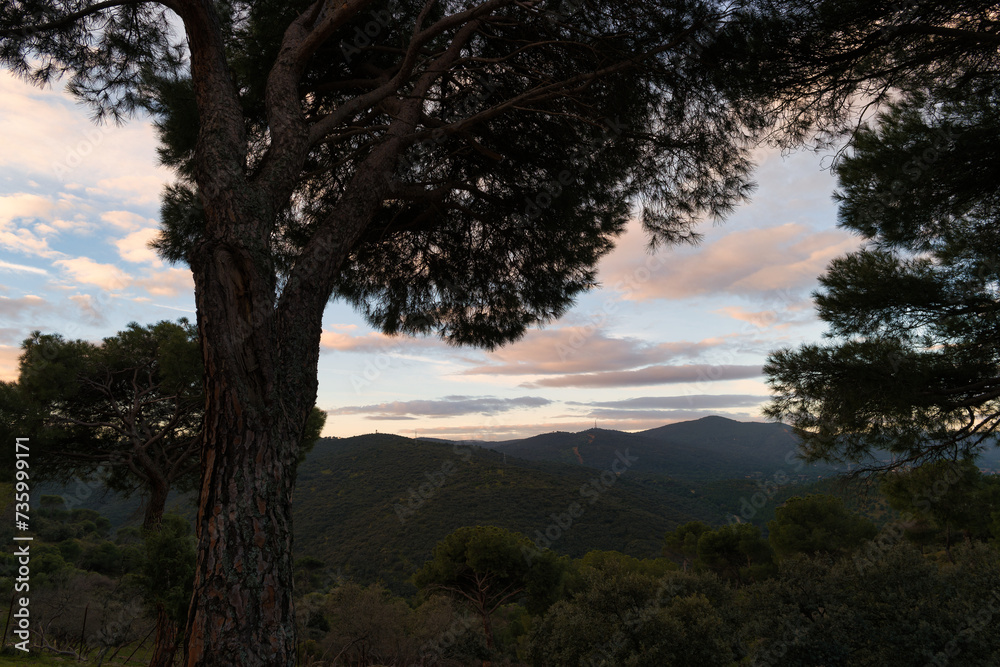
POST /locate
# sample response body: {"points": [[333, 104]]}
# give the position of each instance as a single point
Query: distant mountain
{"points": [[373, 507], [711, 448]]}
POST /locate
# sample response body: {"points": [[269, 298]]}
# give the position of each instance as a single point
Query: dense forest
{"points": [[656, 571]]}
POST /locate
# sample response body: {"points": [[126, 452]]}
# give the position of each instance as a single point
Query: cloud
{"points": [[584, 350], [671, 408], [135, 247], [9, 361], [651, 375], [22, 205], [91, 309], [783, 259], [168, 282], [141, 189], [26, 305], [449, 406], [86, 271], [7, 266], [787, 314], [689, 402], [372, 341], [25, 241], [56, 141], [126, 220], [27, 222], [628, 418]]}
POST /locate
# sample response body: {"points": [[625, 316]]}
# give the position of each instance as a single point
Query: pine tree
{"points": [[912, 373], [449, 167]]}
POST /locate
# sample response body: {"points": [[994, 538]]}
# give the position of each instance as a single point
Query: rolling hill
{"points": [[374, 506], [711, 448]]}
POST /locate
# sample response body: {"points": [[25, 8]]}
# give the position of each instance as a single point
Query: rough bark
{"points": [[158, 488], [259, 391]]}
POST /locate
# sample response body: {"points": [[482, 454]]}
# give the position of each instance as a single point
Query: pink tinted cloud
{"points": [[55, 140], [334, 339], [125, 220], [135, 247], [9, 359], [448, 406], [13, 309], [88, 272], [787, 257], [111, 278], [24, 205], [652, 375], [583, 349], [166, 282]]}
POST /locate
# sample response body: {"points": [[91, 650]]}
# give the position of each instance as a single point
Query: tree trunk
{"points": [[165, 644], [488, 631], [157, 503], [947, 542], [260, 381]]}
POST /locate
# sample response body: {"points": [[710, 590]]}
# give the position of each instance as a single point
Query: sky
{"points": [[669, 337]]}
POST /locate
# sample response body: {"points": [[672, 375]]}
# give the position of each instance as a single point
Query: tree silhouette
{"points": [[448, 167]]}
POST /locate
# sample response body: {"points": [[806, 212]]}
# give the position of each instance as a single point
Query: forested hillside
{"points": [[375, 505]]}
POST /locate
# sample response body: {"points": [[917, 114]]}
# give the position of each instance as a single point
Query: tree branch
{"points": [[70, 19]]}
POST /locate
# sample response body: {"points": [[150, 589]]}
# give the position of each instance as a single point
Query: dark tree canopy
{"points": [[949, 497], [128, 409], [826, 62], [817, 524], [913, 366], [513, 174], [486, 567]]}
